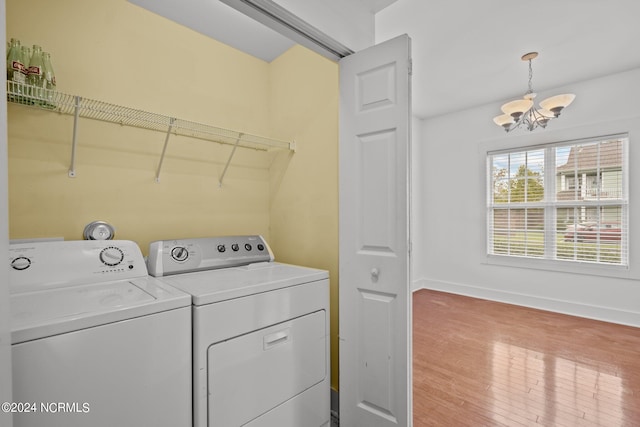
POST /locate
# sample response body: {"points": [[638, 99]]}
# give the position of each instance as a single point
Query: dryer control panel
{"points": [[40, 265], [207, 253]]}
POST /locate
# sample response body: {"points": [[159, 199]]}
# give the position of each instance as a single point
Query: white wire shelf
{"points": [[76, 106]]}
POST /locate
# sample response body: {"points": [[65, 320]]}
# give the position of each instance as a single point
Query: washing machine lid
{"points": [[212, 286], [43, 313]]}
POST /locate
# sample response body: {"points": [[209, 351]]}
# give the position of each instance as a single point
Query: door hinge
{"points": [[410, 66]]}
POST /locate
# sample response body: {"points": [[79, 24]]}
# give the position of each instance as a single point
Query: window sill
{"points": [[573, 267]]}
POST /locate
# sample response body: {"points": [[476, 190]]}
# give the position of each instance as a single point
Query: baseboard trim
{"points": [[606, 314], [335, 408], [335, 400]]}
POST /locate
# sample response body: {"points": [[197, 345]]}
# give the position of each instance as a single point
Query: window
{"points": [[566, 202]]}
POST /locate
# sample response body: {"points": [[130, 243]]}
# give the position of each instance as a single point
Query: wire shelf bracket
{"points": [[226, 166], [74, 140], [164, 149]]}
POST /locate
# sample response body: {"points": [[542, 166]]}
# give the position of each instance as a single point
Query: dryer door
{"points": [[251, 374]]}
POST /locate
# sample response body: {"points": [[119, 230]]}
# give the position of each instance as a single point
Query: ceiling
{"points": [[223, 23], [467, 52]]}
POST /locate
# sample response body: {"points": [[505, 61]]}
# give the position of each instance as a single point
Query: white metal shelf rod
{"points": [[74, 141], [164, 149]]}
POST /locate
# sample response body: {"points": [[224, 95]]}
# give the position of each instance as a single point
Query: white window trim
{"points": [[509, 142]]}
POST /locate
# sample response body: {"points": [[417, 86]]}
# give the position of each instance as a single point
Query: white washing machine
{"points": [[95, 340], [260, 332]]}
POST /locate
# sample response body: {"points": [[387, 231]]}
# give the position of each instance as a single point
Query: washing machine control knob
{"points": [[222, 248], [235, 247], [179, 253], [248, 246], [111, 256], [20, 263]]}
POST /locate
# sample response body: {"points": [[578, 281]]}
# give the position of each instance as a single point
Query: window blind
{"points": [[566, 201]]}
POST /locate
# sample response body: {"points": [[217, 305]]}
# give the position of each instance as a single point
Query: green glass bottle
{"points": [[35, 75], [49, 81], [15, 71], [26, 57]]}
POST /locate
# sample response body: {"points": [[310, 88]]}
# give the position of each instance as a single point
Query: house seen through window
{"points": [[565, 202]]}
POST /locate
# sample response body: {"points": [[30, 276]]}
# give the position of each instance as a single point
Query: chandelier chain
{"points": [[530, 77]]}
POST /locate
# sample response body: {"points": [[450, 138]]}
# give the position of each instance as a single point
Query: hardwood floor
{"points": [[483, 363]]}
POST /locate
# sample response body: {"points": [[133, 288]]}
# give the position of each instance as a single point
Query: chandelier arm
{"points": [[517, 123]]}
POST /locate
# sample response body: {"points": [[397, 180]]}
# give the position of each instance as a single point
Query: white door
{"points": [[375, 297], [5, 332]]}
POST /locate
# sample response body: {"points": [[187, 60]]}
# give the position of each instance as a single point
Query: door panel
{"points": [[376, 192], [375, 299], [376, 368], [376, 88]]}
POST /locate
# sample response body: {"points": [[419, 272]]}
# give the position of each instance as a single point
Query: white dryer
{"points": [[95, 340], [260, 332]]}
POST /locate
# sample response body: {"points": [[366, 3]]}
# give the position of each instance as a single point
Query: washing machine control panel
{"points": [[65, 263], [186, 255]]}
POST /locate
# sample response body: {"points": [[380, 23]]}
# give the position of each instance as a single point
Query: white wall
{"points": [[452, 254]]}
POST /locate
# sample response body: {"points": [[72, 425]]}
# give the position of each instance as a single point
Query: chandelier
{"points": [[522, 112]]}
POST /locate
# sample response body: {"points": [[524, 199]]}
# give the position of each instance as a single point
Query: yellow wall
{"points": [[116, 52], [304, 193]]}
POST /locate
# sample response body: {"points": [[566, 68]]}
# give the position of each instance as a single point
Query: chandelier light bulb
{"points": [[522, 112]]}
